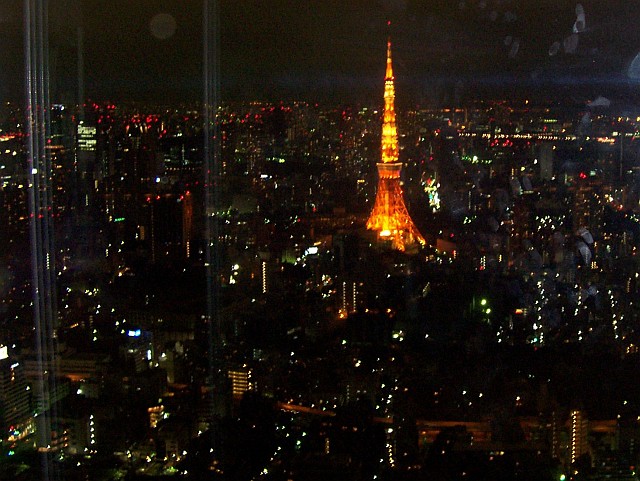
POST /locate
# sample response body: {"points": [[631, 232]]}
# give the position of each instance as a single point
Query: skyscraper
{"points": [[579, 431], [15, 412], [389, 217]]}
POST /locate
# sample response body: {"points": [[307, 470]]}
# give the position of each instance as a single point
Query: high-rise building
{"points": [[241, 381], [15, 412], [389, 217], [349, 297], [546, 154], [579, 431], [168, 226]]}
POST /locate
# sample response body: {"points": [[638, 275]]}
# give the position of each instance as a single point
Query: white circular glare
{"points": [[162, 26], [634, 68]]}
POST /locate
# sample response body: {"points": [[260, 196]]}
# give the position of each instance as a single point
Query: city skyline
{"points": [[289, 272]]}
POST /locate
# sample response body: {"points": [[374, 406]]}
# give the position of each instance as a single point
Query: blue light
{"points": [[135, 333]]}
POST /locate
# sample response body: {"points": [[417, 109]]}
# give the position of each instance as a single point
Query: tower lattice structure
{"points": [[389, 217]]}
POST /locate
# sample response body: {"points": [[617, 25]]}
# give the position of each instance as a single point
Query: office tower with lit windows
{"points": [[579, 431], [85, 160], [389, 217], [349, 297], [15, 413], [241, 381]]}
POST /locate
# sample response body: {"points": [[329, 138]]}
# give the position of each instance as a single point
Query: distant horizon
{"points": [[621, 97]]}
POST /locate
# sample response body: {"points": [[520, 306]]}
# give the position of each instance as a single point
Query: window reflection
{"points": [[188, 287]]}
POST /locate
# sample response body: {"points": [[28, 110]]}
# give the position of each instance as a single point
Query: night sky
{"points": [[444, 50]]}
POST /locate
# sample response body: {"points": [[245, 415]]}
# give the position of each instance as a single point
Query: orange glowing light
{"points": [[389, 216]]}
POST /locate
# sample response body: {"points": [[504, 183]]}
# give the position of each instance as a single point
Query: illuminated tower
{"points": [[389, 217]]}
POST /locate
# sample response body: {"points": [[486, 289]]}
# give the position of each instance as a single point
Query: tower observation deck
{"points": [[389, 217]]}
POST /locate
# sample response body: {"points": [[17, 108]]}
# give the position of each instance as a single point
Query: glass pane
{"points": [[319, 240]]}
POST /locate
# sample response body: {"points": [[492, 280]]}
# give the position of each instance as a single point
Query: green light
{"points": [[483, 302], [488, 311], [562, 477], [118, 219]]}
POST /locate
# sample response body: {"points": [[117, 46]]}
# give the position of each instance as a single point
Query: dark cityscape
{"points": [[392, 240]]}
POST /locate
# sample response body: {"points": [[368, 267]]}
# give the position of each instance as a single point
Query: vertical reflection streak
{"points": [[41, 224]]}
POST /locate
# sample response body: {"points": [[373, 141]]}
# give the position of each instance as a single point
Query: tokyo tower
{"points": [[389, 217]]}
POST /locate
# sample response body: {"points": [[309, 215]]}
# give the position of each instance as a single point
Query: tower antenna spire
{"points": [[389, 217]]}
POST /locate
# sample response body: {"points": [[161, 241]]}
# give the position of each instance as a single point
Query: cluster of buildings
{"points": [[436, 307]]}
